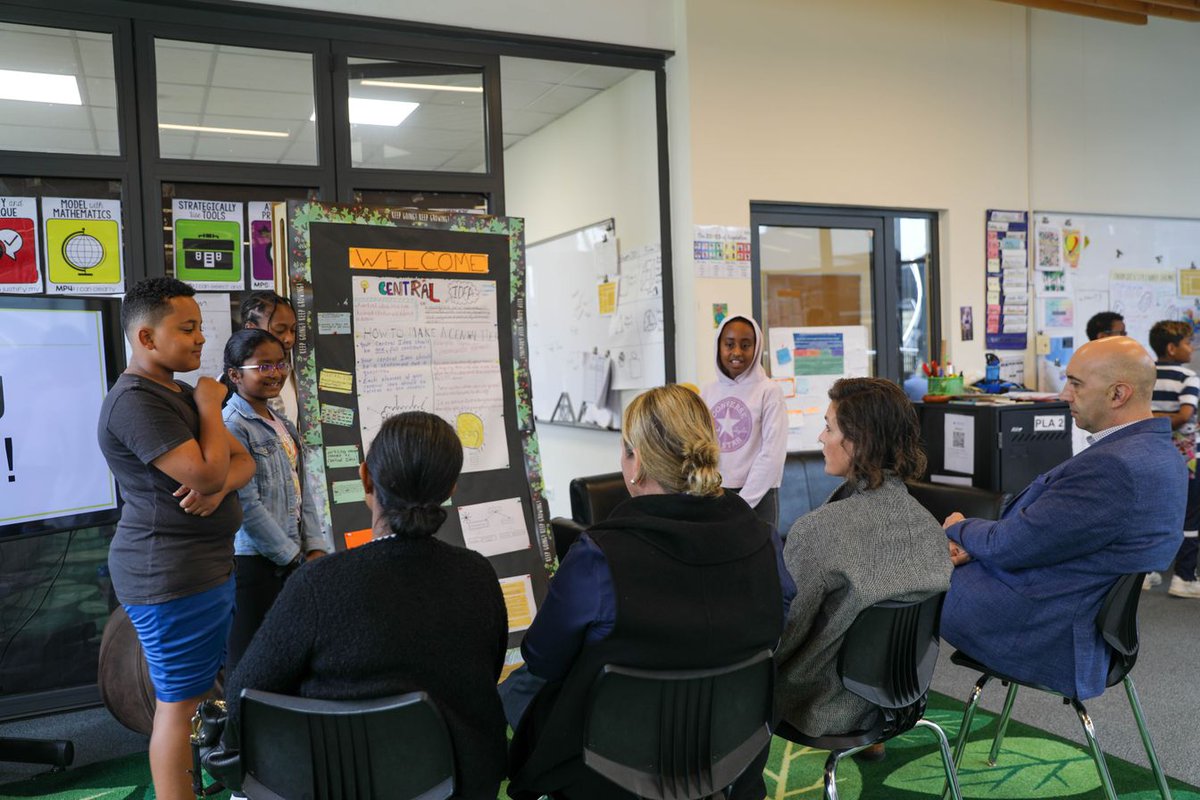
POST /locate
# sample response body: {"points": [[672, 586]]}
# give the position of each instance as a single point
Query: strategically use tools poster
{"points": [[208, 244], [20, 270], [402, 311], [83, 246]]}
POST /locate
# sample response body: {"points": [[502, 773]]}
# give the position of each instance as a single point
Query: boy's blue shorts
{"points": [[184, 640]]}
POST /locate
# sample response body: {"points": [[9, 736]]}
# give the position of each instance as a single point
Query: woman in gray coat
{"points": [[869, 542]]}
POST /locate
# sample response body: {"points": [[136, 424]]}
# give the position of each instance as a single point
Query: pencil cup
{"points": [[951, 384]]}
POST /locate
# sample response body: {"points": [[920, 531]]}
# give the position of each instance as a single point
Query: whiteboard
{"points": [[563, 278], [53, 382], [1088, 263]]}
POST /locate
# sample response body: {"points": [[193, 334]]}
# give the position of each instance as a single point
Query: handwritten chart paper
{"points": [[636, 332], [431, 345], [518, 599]]}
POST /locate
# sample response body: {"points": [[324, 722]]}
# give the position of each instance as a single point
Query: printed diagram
{"points": [[79, 251], [82, 252], [496, 527], [630, 364]]}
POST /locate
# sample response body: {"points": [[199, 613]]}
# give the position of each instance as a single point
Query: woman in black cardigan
{"points": [[700, 580], [401, 613]]}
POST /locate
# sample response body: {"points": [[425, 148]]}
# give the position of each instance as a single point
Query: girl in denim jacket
{"points": [[280, 527]]}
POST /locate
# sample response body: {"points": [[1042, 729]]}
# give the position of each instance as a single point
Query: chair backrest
{"points": [[593, 497], [1117, 621], [396, 747], [941, 500], [682, 734], [889, 653]]}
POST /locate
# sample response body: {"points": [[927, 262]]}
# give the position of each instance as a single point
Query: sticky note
{"points": [[340, 456], [331, 323], [337, 415], [356, 538], [348, 491], [335, 380]]}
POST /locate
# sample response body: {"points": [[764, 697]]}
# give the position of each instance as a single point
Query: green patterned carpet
{"points": [[1032, 764]]}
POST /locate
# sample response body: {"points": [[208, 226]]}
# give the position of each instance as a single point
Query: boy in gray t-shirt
{"points": [[179, 470]]}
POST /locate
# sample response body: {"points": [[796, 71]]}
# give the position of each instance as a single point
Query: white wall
{"points": [[596, 162], [638, 23]]}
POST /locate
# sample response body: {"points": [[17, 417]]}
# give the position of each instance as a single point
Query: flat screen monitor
{"points": [[58, 358]]}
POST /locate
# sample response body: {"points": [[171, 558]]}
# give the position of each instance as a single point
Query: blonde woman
{"points": [[700, 579]]}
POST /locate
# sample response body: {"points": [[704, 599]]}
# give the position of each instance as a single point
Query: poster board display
{"points": [[1087, 263], [403, 310], [805, 362], [52, 473]]}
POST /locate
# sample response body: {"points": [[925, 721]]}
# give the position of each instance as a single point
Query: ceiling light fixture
{"points": [[364, 111], [433, 87], [39, 87], [169, 126]]}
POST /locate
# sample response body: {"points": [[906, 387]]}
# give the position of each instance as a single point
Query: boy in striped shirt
{"points": [[1176, 394]]}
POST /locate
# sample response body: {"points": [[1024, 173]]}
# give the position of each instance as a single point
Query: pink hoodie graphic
{"points": [[751, 422]]}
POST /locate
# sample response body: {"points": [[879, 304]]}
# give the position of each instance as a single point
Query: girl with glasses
{"points": [[280, 526]]}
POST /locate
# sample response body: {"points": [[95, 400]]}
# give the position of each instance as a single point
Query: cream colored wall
{"points": [[920, 104]]}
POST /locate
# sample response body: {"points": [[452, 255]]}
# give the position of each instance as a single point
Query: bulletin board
{"points": [[1140, 267], [596, 322], [402, 310]]}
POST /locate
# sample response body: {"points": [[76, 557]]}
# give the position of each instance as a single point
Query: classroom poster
{"points": [[636, 332], [83, 246], [1007, 265], [20, 267], [808, 361], [722, 251], [403, 310], [208, 244], [262, 268], [432, 345]]}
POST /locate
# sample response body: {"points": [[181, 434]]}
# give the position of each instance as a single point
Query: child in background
{"points": [[171, 560], [1176, 393], [273, 313], [751, 418], [280, 526]]}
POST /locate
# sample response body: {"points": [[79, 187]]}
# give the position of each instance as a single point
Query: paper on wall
{"points": [[958, 452], [493, 528]]}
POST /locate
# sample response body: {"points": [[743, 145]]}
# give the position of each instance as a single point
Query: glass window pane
{"points": [[428, 201], [912, 238], [222, 103], [817, 277], [58, 91], [416, 117]]}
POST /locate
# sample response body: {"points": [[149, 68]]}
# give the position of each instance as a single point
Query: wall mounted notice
{"points": [[20, 266], [50, 463], [262, 268], [1008, 280], [495, 527], [722, 251], [208, 244], [83, 246], [812, 359]]}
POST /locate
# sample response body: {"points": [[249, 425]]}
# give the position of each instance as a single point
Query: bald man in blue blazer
{"points": [[1026, 589]]}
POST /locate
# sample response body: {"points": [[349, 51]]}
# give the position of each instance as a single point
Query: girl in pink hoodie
{"points": [[751, 418]]}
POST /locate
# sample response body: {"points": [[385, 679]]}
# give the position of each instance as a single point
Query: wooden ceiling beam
{"points": [[1153, 9], [1082, 10], [1186, 5]]}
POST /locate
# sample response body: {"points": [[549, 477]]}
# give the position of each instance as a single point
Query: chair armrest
{"points": [[565, 532]]}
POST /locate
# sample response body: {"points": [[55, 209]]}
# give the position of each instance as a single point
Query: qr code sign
{"points": [[959, 440]]}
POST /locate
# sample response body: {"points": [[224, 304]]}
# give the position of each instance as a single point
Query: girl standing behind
{"points": [[280, 527], [273, 313]]}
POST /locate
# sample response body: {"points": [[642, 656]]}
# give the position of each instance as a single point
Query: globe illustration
{"points": [[82, 251]]}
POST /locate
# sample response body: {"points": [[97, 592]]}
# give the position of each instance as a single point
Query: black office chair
{"points": [[593, 497], [395, 747], [887, 658], [1117, 620], [679, 734]]}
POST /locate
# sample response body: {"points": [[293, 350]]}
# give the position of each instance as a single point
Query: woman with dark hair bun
{"points": [[869, 542], [403, 612]]}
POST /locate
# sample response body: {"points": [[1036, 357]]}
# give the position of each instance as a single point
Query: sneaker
{"points": [[1151, 580], [1181, 588]]}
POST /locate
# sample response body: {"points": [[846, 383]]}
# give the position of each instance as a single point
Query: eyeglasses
{"points": [[281, 367]]}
